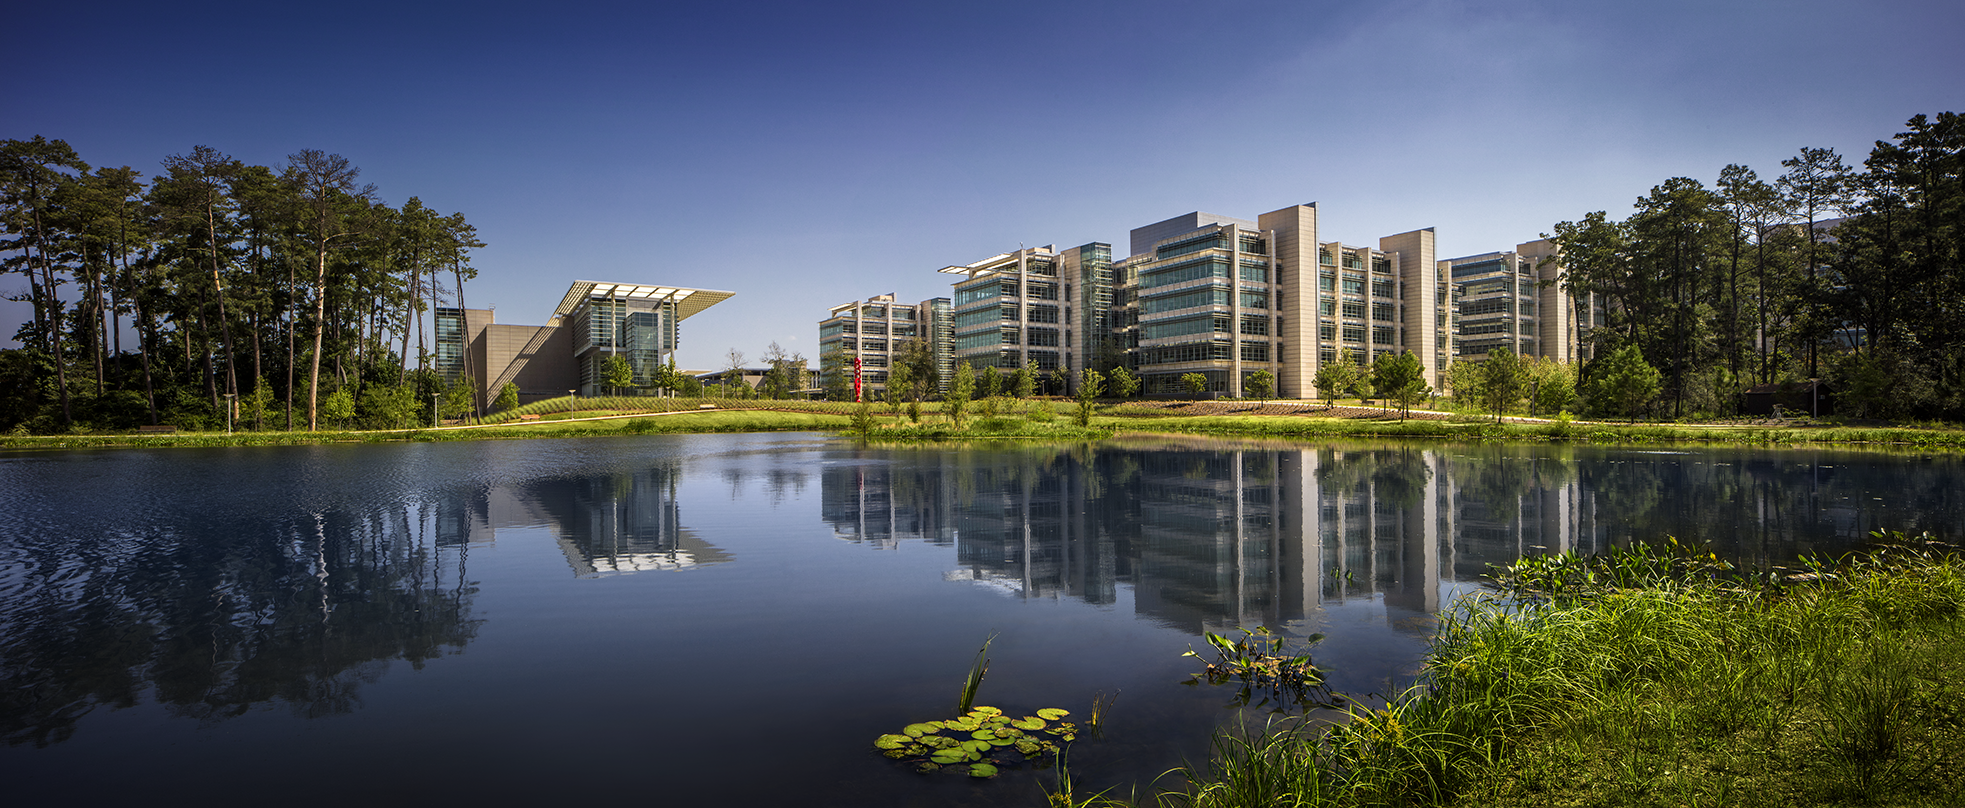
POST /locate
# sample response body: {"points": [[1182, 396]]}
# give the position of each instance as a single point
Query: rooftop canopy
{"points": [[687, 301]]}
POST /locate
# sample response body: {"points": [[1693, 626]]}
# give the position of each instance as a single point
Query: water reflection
{"points": [[605, 524], [1214, 534], [304, 612]]}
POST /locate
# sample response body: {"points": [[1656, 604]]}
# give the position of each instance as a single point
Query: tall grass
{"points": [[1651, 676]]}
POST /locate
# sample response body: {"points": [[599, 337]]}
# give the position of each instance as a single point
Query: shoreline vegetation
{"points": [[1650, 676], [1041, 419]]}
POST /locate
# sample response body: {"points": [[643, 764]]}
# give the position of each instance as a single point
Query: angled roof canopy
{"points": [[687, 301]]}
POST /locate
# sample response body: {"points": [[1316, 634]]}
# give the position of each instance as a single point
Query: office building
{"points": [[594, 321], [1516, 300], [1036, 306], [1226, 297], [875, 331]]}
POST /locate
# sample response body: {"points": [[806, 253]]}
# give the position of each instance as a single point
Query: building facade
{"points": [[1226, 297], [594, 320], [876, 331], [1516, 300], [1036, 306]]}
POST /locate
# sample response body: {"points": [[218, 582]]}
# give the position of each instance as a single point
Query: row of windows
{"points": [[1210, 267], [1255, 271], [964, 295], [1185, 327], [1192, 352], [1212, 241], [1384, 288], [1213, 296]]}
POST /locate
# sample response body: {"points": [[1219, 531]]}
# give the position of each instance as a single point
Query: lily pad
{"points": [[977, 747], [897, 754], [1029, 723], [927, 768], [983, 735], [1052, 713], [981, 770], [891, 741], [918, 730], [1029, 747], [985, 712], [947, 756]]}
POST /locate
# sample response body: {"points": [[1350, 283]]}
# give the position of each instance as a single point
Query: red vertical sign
{"points": [[856, 380]]}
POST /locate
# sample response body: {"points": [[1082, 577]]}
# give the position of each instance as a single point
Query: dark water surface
{"points": [[683, 620]]}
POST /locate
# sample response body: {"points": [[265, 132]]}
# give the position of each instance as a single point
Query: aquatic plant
{"points": [[976, 673], [1262, 662], [983, 740]]}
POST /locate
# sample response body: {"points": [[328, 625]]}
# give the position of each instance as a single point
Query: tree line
{"points": [[281, 296], [1827, 272]]}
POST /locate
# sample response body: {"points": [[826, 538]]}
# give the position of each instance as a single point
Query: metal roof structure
{"points": [[687, 301]]}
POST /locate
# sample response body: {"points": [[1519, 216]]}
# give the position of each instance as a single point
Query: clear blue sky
{"points": [[805, 154]]}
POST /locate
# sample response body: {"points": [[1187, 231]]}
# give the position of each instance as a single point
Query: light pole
{"points": [[229, 399], [571, 396], [434, 420]]}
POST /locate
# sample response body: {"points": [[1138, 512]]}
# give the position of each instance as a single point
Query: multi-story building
{"points": [[1516, 300], [875, 330], [595, 320], [1037, 306], [1226, 297]]}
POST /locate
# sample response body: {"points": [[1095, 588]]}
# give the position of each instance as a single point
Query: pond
{"points": [[734, 618]]}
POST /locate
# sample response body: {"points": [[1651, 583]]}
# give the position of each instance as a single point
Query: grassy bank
{"points": [[1653, 678], [1036, 419]]}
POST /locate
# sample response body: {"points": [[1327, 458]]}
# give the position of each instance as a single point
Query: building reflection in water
{"points": [[606, 525], [1211, 534]]}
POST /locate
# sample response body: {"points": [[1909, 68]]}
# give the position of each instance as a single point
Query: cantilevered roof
{"points": [[687, 301]]}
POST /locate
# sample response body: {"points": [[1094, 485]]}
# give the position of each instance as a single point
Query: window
{"points": [[1255, 271], [1352, 287], [1210, 267], [1327, 331], [1384, 288], [1215, 296], [1354, 309], [1327, 283], [1255, 300], [1324, 257], [1043, 314], [1253, 245], [874, 328], [1351, 260], [1255, 351], [1193, 352], [1212, 241], [1185, 327], [1255, 326], [1043, 291], [1327, 307], [1380, 263], [1384, 311], [1047, 337], [1354, 333], [1381, 335]]}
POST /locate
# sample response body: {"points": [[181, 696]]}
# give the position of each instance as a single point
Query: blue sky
{"points": [[805, 154]]}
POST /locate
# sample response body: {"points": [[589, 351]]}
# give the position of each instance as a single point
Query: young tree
{"points": [[339, 407], [1624, 382], [1502, 380], [990, 381], [1402, 379], [1260, 384], [1552, 386], [508, 397], [1027, 380], [254, 405], [1090, 385], [1337, 377], [1195, 383], [615, 372], [1125, 383], [960, 389], [916, 359]]}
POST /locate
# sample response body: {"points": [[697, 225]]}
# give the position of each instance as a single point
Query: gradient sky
{"points": [[807, 154]]}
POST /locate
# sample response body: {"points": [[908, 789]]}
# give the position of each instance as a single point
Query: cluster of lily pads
{"points": [[981, 738]]}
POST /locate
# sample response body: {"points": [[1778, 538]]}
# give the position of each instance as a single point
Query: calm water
{"points": [[682, 619]]}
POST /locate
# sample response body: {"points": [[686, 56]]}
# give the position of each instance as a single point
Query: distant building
{"points": [[1036, 306], [1516, 300], [595, 320], [1226, 297], [874, 330]]}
